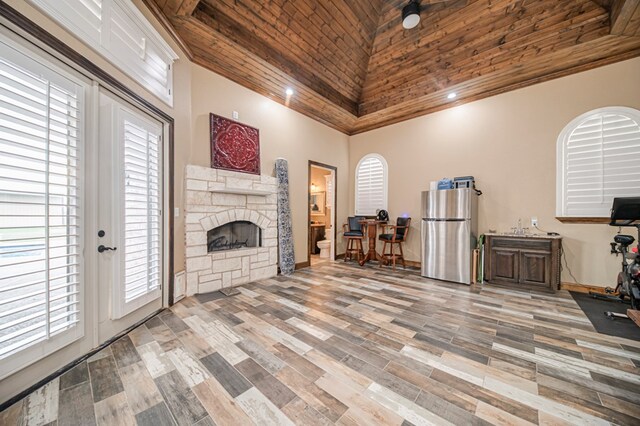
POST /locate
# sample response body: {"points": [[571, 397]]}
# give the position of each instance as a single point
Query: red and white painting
{"points": [[234, 146]]}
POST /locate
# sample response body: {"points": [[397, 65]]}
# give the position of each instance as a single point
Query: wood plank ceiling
{"points": [[354, 68]]}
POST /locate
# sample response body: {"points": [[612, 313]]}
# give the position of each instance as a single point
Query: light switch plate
{"points": [[176, 212]]}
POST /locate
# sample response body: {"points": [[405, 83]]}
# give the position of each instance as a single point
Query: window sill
{"points": [[605, 220]]}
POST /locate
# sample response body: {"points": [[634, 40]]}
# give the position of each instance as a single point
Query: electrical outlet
{"points": [[534, 222], [235, 115]]}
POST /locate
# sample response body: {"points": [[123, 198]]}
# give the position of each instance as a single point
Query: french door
{"points": [[42, 210], [129, 215], [81, 224]]}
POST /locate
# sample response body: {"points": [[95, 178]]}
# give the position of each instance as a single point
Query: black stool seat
{"points": [[354, 234], [391, 237], [625, 240]]}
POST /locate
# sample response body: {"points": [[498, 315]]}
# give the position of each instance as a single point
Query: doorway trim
{"points": [[334, 205]]}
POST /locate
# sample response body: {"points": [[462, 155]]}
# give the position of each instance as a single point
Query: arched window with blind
{"points": [[598, 158], [371, 185]]}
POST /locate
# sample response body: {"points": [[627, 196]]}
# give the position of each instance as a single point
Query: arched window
{"points": [[598, 160], [371, 185]]}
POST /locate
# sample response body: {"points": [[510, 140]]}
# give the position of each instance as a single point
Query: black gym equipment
{"points": [[625, 212]]}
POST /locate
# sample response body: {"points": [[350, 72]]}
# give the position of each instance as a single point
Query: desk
{"points": [[372, 235]]}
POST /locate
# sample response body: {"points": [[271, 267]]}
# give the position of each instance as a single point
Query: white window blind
{"points": [[371, 185], [41, 114], [119, 31], [142, 212], [599, 155]]}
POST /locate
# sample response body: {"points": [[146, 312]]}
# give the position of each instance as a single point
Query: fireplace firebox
{"points": [[234, 235]]}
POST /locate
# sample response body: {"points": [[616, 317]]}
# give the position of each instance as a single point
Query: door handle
{"points": [[102, 248]]}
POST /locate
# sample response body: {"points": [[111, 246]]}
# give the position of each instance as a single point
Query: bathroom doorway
{"points": [[321, 233]]}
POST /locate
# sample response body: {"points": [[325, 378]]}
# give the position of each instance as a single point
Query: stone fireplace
{"points": [[231, 228]]}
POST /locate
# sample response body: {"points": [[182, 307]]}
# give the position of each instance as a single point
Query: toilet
{"points": [[325, 248]]}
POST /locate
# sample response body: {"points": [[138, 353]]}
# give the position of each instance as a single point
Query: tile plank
{"points": [[259, 409], [271, 387], [114, 410], [105, 380], [219, 404], [77, 375], [157, 415], [76, 406], [180, 399], [230, 379], [142, 392]]}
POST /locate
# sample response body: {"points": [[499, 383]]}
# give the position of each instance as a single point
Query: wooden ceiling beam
{"points": [[187, 7], [625, 17]]}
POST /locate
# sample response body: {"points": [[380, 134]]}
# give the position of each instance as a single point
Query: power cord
{"points": [[536, 226], [562, 256]]}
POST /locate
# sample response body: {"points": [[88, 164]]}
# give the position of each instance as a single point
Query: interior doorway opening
{"points": [[322, 213]]}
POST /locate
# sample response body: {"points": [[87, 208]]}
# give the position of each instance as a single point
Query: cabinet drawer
{"points": [[522, 244]]}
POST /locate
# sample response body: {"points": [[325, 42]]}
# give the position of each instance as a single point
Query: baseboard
{"points": [[413, 263], [304, 264], [581, 288]]}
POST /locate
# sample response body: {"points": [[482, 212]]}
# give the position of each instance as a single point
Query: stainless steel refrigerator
{"points": [[449, 234]]}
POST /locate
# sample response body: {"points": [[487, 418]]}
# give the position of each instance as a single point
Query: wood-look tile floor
{"points": [[341, 344]]}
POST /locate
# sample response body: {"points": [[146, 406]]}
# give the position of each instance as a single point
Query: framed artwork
{"points": [[316, 203], [234, 146]]}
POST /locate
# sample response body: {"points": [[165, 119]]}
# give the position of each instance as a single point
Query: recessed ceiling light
{"points": [[289, 91], [452, 95]]}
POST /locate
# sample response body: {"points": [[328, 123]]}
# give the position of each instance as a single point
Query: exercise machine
{"points": [[625, 212]]}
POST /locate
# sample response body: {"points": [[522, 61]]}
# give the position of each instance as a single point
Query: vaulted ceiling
{"points": [[354, 68]]}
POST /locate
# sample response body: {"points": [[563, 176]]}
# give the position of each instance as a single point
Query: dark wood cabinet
{"points": [[316, 233], [505, 264], [523, 261]]}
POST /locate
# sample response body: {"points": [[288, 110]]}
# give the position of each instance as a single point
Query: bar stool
{"points": [[398, 235], [354, 233]]}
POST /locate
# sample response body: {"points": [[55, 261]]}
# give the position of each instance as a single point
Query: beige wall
{"points": [[508, 142], [283, 133]]}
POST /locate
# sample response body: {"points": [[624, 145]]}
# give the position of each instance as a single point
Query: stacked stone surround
{"points": [[214, 198]]}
